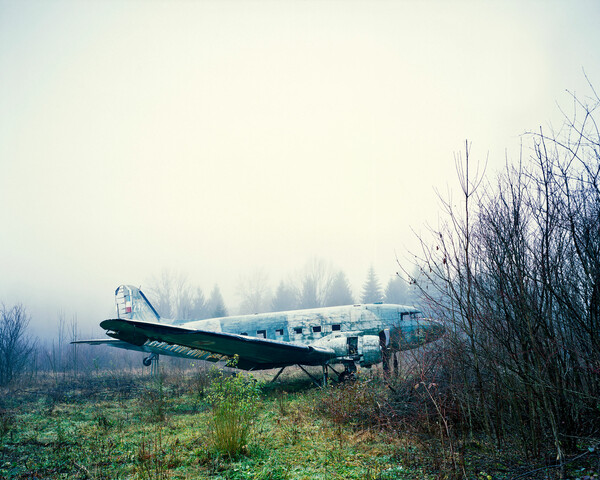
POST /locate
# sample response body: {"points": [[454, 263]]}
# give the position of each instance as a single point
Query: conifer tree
{"points": [[286, 298], [200, 306], [216, 305], [340, 292], [371, 292], [308, 294], [396, 291]]}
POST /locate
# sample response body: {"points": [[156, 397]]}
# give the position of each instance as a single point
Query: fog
{"points": [[218, 139]]}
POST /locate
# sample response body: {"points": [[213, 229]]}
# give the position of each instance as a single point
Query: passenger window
{"points": [[279, 332], [316, 329], [261, 333], [336, 328], [297, 329], [244, 333]]}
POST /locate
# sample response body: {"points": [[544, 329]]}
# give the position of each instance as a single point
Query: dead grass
{"points": [[119, 426]]}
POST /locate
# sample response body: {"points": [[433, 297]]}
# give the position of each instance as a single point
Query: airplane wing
{"points": [[254, 353]]}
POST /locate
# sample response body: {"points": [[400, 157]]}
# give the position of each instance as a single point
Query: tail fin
{"points": [[132, 304]]}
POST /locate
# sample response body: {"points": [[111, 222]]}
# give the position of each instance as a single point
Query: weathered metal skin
{"points": [[328, 328], [353, 334], [308, 326]]}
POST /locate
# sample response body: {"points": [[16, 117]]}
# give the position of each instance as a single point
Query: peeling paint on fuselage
{"points": [[304, 327]]}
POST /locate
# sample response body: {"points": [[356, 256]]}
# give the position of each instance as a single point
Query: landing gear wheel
{"points": [[147, 361]]}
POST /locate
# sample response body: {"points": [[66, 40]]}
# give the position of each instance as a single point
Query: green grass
{"points": [[134, 427], [234, 402]]}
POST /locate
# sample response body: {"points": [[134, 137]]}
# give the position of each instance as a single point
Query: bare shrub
{"points": [[353, 403], [515, 274], [15, 344]]}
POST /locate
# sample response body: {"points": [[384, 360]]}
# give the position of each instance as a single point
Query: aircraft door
{"points": [[352, 345]]}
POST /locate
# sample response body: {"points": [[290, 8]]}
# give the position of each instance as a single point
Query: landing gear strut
{"points": [[151, 360], [349, 374], [277, 376], [325, 379]]}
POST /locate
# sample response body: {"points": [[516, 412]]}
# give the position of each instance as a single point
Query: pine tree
{"points": [[340, 292], [396, 291], [200, 306], [308, 295], [216, 305], [286, 298], [371, 292]]}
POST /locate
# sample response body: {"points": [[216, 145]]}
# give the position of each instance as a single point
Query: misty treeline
{"points": [[23, 356], [175, 297], [318, 284], [514, 271]]}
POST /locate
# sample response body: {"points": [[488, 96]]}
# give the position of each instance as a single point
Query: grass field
{"points": [[133, 426]]}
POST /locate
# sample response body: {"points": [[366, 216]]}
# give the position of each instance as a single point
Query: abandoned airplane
{"points": [[346, 335]]}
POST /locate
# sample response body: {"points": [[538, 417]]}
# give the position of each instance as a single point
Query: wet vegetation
{"points": [[202, 422]]}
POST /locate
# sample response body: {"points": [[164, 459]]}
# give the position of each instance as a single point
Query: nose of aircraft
{"points": [[433, 330], [415, 333]]}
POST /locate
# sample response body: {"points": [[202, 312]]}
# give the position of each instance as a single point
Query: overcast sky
{"points": [[217, 137]]}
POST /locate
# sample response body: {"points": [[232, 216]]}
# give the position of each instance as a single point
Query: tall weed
{"points": [[150, 458], [233, 400]]}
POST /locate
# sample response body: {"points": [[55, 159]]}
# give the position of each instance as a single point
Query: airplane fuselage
{"points": [[305, 327], [356, 333]]}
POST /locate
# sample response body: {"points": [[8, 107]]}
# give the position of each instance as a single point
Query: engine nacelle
{"points": [[365, 349], [371, 350]]}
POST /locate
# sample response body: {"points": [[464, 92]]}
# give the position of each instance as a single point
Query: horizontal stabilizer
{"points": [[102, 341], [113, 342]]}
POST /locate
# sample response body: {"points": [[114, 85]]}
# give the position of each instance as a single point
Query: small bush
{"points": [[153, 403], [355, 403], [233, 400]]}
